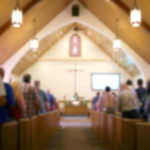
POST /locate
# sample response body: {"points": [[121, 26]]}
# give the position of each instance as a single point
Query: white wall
{"points": [[54, 75]]}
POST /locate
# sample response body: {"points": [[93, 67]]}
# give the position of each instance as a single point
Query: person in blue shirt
{"points": [[95, 99], [10, 101], [42, 97], [140, 91], [51, 100]]}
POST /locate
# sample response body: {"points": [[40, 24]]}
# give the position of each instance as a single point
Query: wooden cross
{"points": [[75, 70]]}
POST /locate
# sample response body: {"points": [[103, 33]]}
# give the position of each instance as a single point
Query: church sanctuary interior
{"points": [[74, 74]]}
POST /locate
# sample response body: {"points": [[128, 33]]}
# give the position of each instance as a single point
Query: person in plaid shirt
{"points": [[30, 97]]}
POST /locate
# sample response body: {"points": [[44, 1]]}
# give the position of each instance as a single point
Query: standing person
{"points": [[19, 109], [146, 97], [129, 84], [51, 99], [30, 97], [147, 109], [42, 98], [2, 93], [95, 99], [107, 102], [10, 101], [76, 96], [140, 91], [128, 103]]}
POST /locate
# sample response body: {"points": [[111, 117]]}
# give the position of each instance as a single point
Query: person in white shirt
{"points": [[2, 93], [128, 103]]}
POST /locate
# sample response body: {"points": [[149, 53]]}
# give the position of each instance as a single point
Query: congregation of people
{"points": [[22, 100], [129, 102]]}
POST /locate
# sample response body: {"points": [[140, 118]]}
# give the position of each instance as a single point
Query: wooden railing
{"points": [[29, 134], [118, 133]]}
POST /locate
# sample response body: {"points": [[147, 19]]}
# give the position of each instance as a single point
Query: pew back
{"points": [[9, 136], [29, 134], [143, 136], [34, 133], [24, 134], [129, 134], [110, 134]]}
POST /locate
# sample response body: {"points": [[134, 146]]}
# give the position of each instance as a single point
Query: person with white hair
{"points": [[128, 103]]}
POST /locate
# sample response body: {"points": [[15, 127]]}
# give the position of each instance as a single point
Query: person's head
{"points": [[129, 82], [37, 84], [27, 78], [2, 72], [98, 94], [107, 89], [140, 82]]}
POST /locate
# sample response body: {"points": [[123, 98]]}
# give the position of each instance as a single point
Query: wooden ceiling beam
{"points": [[42, 51], [126, 9], [110, 56], [18, 37], [26, 9]]}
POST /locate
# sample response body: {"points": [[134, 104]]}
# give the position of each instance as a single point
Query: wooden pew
{"points": [[34, 133], [97, 123], [29, 134], [128, 141], [143, 136], [47, 126], [9, 136], [103, 129], [110, 134], [57, 118], [24, 138], [93, 119], [42, 131], [55, 121], [115, 132], [118, 132]]}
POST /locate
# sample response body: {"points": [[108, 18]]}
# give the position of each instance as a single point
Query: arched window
{"points": [[75, 45]]}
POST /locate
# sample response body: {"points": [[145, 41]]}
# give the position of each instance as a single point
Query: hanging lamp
{"points": [[116, 41], [17, 16], [135, 15], [34, 44]]}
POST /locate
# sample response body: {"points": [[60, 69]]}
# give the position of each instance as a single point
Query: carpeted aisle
{"points": [[75, 139]]}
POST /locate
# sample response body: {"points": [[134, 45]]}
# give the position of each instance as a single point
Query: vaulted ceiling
{"points": [[11, 39], [119, 58]]}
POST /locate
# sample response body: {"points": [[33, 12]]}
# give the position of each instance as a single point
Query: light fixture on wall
{"points": [[135, 15], [34, 44], [17, 16], [116, 41]]}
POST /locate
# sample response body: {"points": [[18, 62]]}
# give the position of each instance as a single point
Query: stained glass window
{"points": [[75, 45]]}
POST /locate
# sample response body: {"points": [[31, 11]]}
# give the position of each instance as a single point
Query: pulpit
{"points": [[75, 108]]}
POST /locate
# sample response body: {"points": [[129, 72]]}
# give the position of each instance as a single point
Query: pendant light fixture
{"points": [[135, 15], [34, 44], [17, 16], [116, 41]]}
